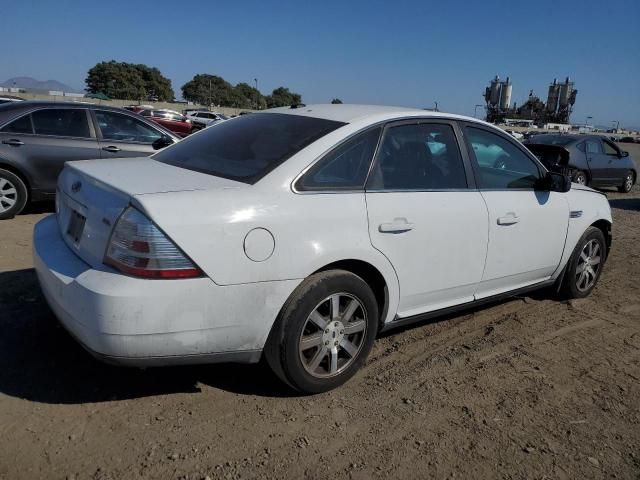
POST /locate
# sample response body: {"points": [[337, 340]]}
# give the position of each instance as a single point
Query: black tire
{"points": [[570, 283], [283, 349], [627, 183], [580, 177], [13, 194]]}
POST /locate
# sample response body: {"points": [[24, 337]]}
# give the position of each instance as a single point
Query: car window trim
{"points": [[470, 178], [92, 132], [475, 165], [331, 150], [133, 116], [15, 119]]}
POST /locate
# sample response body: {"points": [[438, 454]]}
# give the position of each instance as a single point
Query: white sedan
{"points": [[301, 233]]}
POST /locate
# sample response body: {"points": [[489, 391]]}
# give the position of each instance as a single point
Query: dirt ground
{"points": [[527, 388]]}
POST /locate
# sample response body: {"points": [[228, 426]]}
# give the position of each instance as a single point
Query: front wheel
{"points": [[324, 332], [580, 177], [585, 265], [627, 184], [13, 194]]}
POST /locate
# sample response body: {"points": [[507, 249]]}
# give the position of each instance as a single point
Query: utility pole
{"points": [[209, 93], [436, 109], [257, 95]]}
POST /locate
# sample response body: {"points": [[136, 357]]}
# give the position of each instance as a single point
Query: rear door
{"points": [[60, 135], [527, 228], [425, 216], [124, 135]]}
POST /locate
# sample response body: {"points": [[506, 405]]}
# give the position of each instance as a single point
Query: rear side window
{"points": [[248, 147], [344, 168], [61, 122], [421, 156], [501, 165], [21, 125]]}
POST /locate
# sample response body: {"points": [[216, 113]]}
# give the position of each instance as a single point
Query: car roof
{"points": [[349, 113]]}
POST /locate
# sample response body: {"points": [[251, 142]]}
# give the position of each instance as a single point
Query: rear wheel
{"points": [[580, 177], [324, 332], [585, 265], [13, 194], [627, 184]]}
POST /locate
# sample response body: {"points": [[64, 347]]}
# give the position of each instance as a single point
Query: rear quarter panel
{"points": [[309, 231]]}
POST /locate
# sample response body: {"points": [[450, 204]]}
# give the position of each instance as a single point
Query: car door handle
{"points": [[399, 225], [508, 220], [13, 142], [111, 148]]}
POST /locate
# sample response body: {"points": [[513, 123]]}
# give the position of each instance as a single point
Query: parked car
{"points": [[514, 134], [10, 99], [629, 140], [36, 138], [174, 121], [589, 159], [300, 234], [202, 119]]}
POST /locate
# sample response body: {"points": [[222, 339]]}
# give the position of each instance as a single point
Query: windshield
{"points": [[246, 148]]}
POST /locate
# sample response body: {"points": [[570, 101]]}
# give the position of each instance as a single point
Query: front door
{"points": [[527, 227], [424, 217], [123, 135]]}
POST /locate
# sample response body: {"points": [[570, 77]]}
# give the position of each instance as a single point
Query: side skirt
{"points": [[401, 322]]}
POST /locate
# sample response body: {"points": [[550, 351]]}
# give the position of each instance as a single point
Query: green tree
{"points": [[208, 89], [246, 96], [282, 97], [128, 81], [336, 101]]}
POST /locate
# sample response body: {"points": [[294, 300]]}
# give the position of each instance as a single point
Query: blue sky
{"points": [[399, 52]]}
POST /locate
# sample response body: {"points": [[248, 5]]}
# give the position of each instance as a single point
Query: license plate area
{"points": [[76, 226]]}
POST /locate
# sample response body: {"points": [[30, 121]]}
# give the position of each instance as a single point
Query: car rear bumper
{"points": [[141, 322]]}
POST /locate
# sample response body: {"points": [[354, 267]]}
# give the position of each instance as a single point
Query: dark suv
{"points": [[36, 138]]}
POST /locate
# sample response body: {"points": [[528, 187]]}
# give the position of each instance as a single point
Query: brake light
{"points": [[139, 248]]}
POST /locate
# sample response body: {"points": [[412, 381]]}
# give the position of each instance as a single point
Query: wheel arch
{"points": [[18, 173], [605, 227], [371, 275]]}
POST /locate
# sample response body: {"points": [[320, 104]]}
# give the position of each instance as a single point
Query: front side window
{"points": [[248, 147], [21, 125], [593, 146], [61, 122], [500, 163], [610, 149], [344, 168], [125, 128], [418, 157]]}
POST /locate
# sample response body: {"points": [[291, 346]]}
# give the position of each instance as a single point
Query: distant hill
{"points": [[33, 84]]}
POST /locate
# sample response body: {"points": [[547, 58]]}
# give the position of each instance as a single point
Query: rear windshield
{"points": [[552, 139], [246, 148]]}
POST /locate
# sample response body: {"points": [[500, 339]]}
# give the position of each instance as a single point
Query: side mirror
{"points": [[555, 182], [163, 141], [624, 154]]}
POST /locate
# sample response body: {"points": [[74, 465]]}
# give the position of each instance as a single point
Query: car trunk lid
{"points": [[93, 194]]}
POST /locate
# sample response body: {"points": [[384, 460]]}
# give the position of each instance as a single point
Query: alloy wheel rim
{"points": [[580, 179], [588, 265], [628, 182], [333, 335], [8, 195]]}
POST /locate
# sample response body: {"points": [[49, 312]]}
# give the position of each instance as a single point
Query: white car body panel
{"points": [[440, 221], [527, 233], [455, 254]]}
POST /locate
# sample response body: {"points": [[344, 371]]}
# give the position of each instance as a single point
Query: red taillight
{"points": [[139, 248]]}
